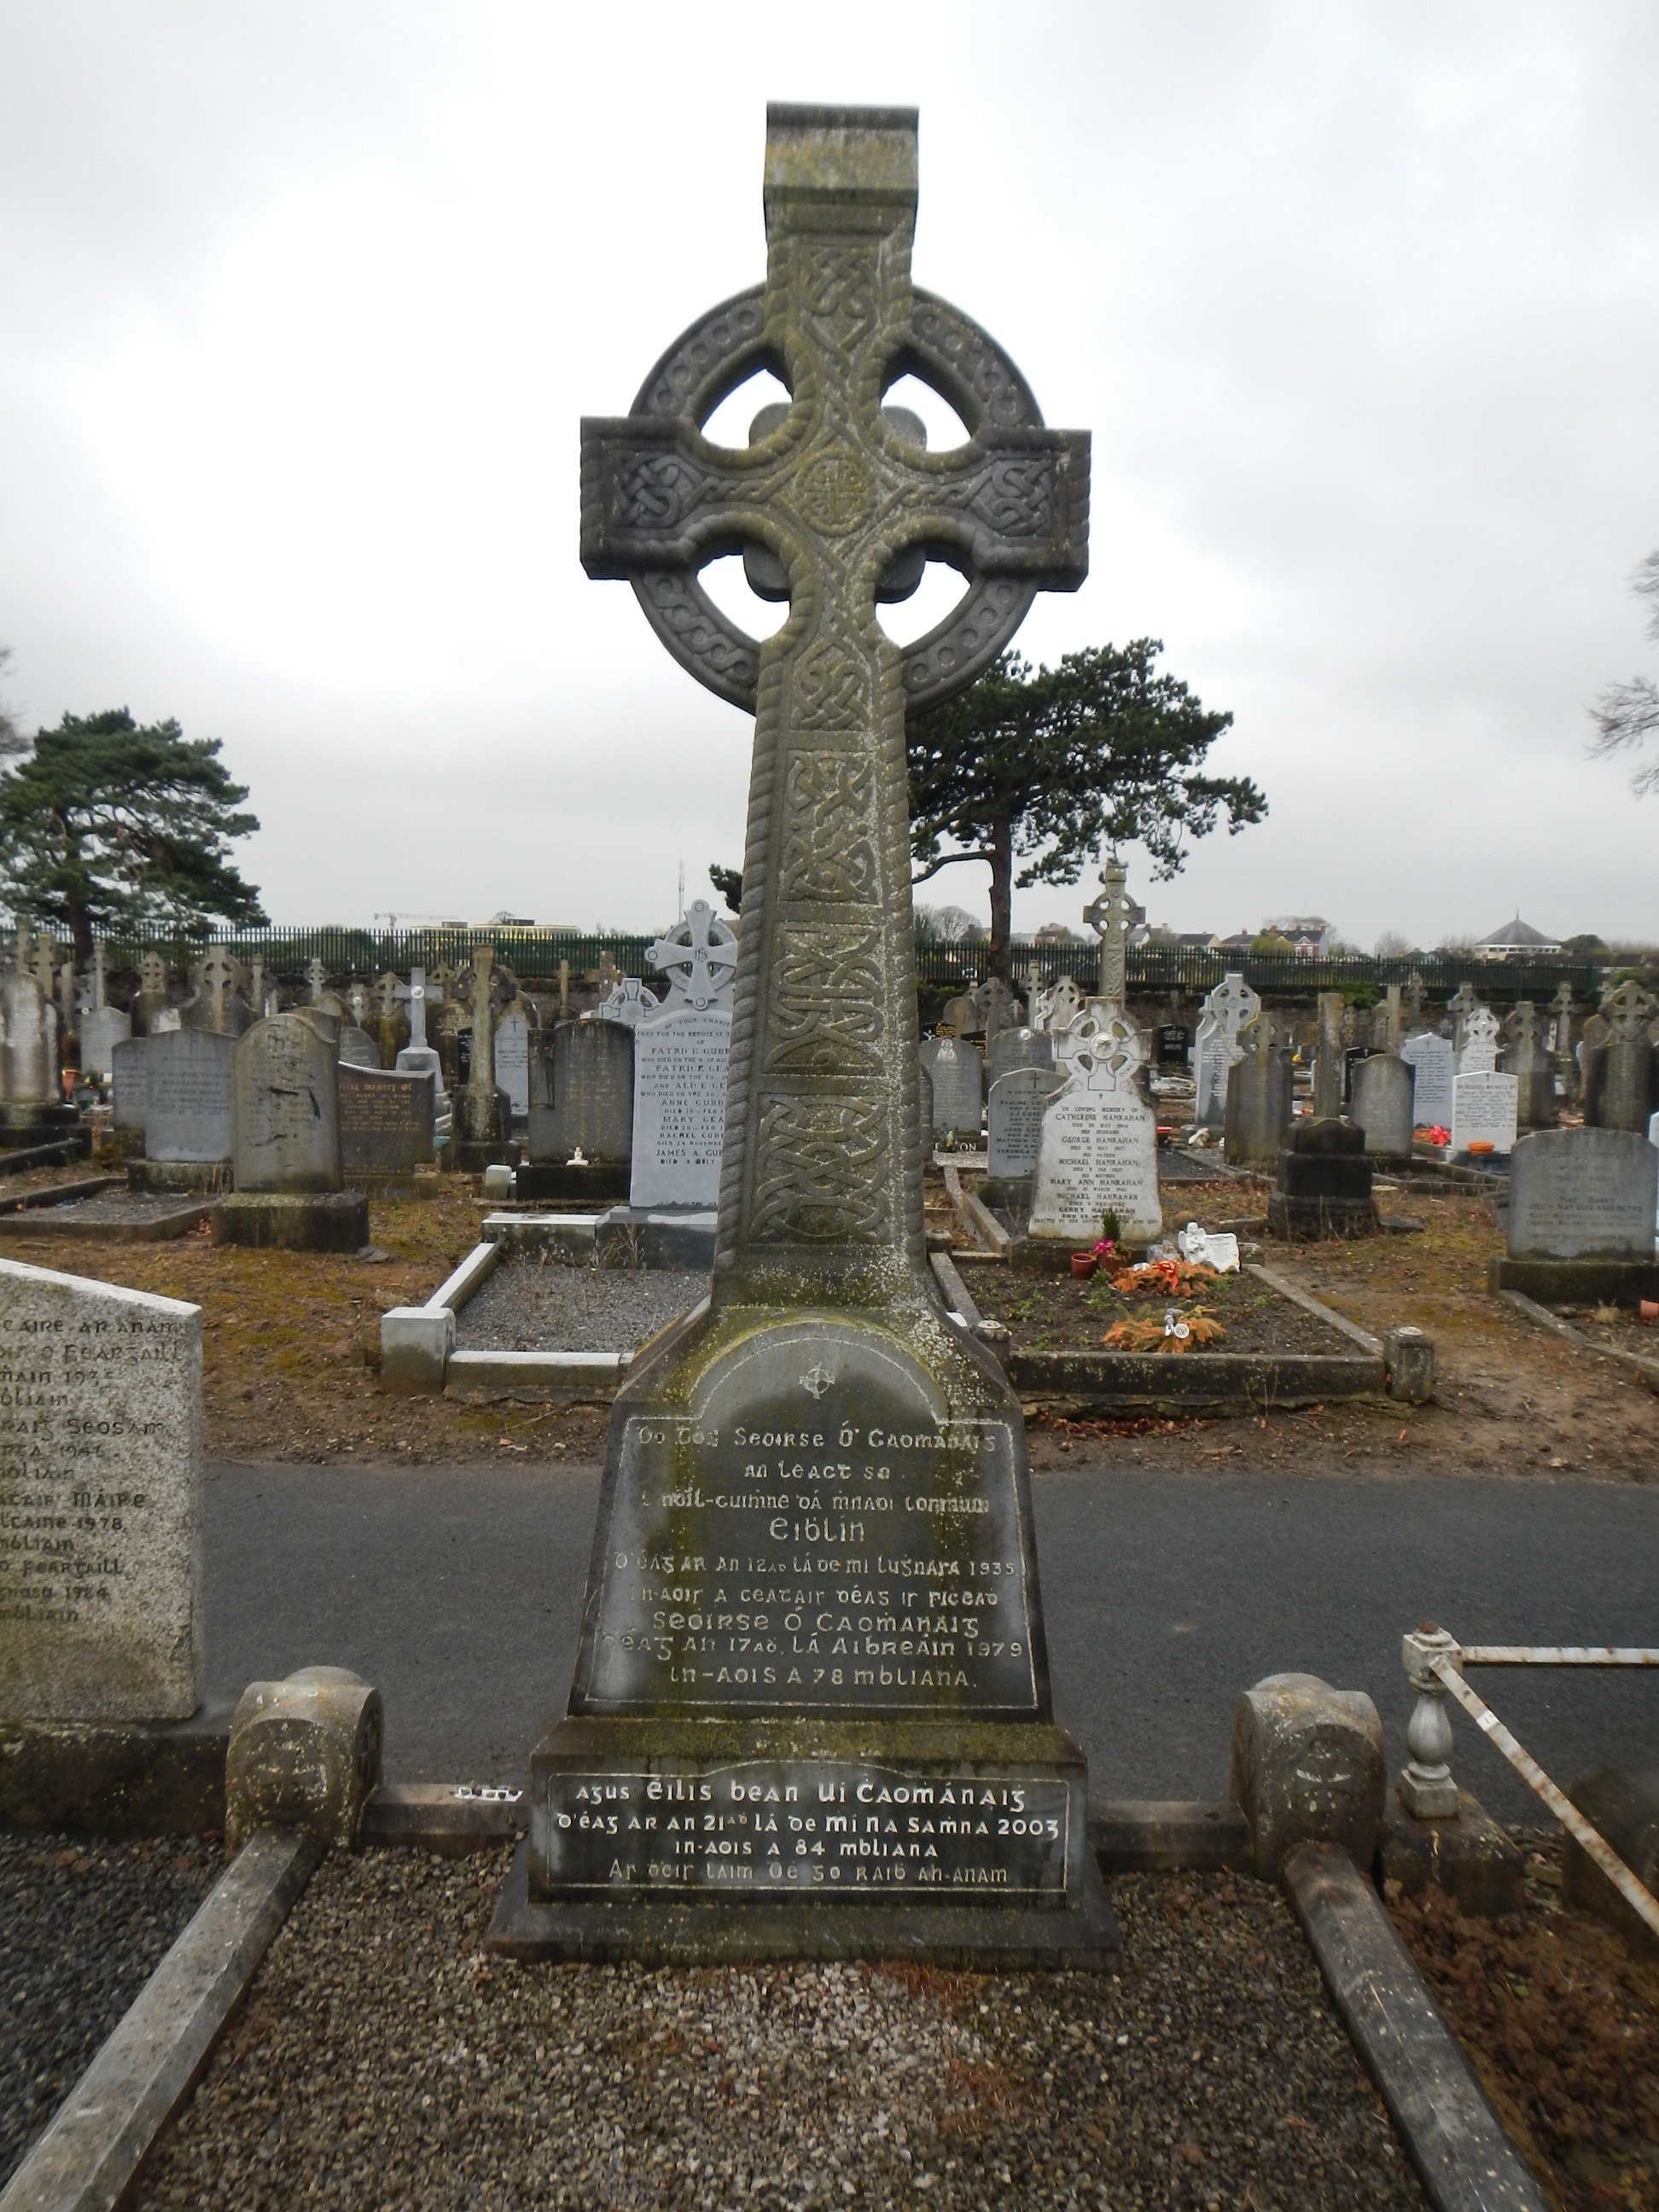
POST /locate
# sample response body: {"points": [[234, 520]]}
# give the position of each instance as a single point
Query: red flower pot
{"points": [[1083, 1264]]}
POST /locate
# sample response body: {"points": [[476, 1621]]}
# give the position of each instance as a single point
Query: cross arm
{"points": [[650, 500], [1016, 506]]}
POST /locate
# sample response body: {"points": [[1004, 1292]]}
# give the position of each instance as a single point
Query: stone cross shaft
{"points": [[1110, 914], [822, 1169]]}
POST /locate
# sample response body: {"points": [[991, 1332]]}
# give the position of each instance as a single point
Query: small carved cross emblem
{"points": [[818, 1380]]}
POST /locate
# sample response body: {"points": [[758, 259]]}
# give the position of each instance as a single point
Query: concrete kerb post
{"points": [[308, 1748]]}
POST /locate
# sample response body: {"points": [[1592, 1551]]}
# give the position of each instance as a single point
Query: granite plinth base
{"points": [[38, 1124], [676, 1931], [178, 1175], [1303, 1220], [1576, 1282], [467, 1156], [599, 1183], [328, 1221], [115, 1778], [1467, 1855], [654, 1237]]}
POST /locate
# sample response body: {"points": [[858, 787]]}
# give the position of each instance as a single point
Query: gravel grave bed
{"points": [[83, 1925], [113, 1208], [1560, 2020], [544, 1304], [383, 2058], [1057, 1313]]}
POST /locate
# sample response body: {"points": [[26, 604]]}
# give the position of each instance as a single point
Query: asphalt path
{"points": [[457, 1591]]}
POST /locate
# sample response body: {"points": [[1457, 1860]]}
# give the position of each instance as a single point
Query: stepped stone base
{"points": [[329, 1221]]}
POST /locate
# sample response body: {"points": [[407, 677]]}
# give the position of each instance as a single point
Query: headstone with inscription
{"points": [[812, 1683], [1216, 1048], [385, 1124], [1583, 1194], [1433, 1064], [1018, 1048], [285, 1108], [1483, 1113], [100, 1483], [1383, 1104], [1013, 1121], [1098, 1150], [513, 1037], [1477, 1055], [356, 1048], [590, 1110], [956, 1070], [679, 1066], [128, 1090], [187, 1097]]}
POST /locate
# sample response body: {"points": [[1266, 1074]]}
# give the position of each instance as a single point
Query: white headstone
{"points": [[679, 1065], [1484, 1112], [1099, 1148], [1216, 1049], [1013, 1121], [1479, 1053], [102, 1028], [29, 1057], [627, 1000], [1431, 1098], [512, 1061], [100, 1478]]}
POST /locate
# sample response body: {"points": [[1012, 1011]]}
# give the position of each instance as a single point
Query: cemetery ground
{"points": [[291, 1347]]}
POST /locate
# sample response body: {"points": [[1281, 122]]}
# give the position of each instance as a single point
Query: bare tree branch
{"points": [[947, 859], [1627, 714]]}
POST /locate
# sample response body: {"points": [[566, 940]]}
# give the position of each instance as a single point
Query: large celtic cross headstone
{"points": [[813, 1591], [1111, 915]]}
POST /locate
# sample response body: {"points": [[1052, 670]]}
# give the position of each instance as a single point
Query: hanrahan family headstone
{"points": [[1098, 1150]]}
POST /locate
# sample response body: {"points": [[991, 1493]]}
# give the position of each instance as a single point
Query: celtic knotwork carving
{"points": [[653, 491], [973, 370], [834, 492], [698, 634], [832, 687], [820, 1172], [698, 955], [838, 293], [1017, 498], [824, 1000], [829, 838]]}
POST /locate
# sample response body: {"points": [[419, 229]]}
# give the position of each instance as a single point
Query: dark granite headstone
{"points": [[812, 1670], [1174, 1044], [385, 1123], [1324, 1182], [591, 1109]]}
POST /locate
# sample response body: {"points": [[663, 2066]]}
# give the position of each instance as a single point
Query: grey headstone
{"points": [[1582, 1194], [512, 1061], [129, 1092], [679, 1107], [1015, 1048], [1383, 1104], [1435, 1062], [356, 1048], [1261, 1098], [958, 1077], [1013, 1121], [285, 1107], [592, 1107], [187, 1096], [1308, 1766], [101, 1603], [28, 1053], [102, 1028], [385, 1121]]}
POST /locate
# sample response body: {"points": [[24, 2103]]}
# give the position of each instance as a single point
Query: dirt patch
{"points": [[1561, 2023], [1056, 1313], [1615, 1329]]}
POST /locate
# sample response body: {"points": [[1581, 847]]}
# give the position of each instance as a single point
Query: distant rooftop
{"points": [[1517, 936]]}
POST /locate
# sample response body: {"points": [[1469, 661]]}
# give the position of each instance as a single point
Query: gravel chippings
{"points": [[384, 2059], [526, 1305], [83, 1925]]}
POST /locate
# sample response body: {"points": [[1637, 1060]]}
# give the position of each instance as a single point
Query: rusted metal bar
{"points": [[1640, 1899], [1560, 1655]]}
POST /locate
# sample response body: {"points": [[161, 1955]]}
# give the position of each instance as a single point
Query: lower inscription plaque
{"points": [[838, 1828]]}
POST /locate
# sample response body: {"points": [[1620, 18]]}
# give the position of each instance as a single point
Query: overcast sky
{"points": [[300, 305]]}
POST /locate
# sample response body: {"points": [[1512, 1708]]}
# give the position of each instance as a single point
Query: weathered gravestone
{"points": [[1324, 1186], [512, 1061], [864, 1761], [1111, 913], [28, 1049], [1216, 1049], [102, 1026], [1018, 1048], [385, 1125], [188, 1111], [627, 1000], [285, 1135], [1621, 1066], [1383, 1104], [585, 1108], [1433, 1064], [100, 1475], [1583, 1194], [1330, 1070], [957, 1074], [356, 1048], [1013, 1121], [680, 1062], [1483, 1113], [1526, 1057], [1260, 1097], [128, 1089], [481, 1110], [1098, 1150]]}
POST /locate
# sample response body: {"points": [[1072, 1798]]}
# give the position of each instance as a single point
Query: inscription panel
{"points": [[187, 1096], [679, 1108], [101, 1610], [1579, 1193], [385, 1121], [831, 1829]]}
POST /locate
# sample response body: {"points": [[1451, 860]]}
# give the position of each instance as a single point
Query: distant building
{"points": [[1309, 935], [1514, 937], [1055, 932], [1191, 940]]}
